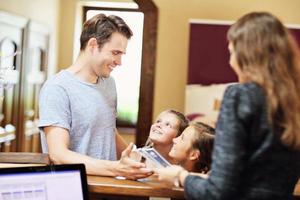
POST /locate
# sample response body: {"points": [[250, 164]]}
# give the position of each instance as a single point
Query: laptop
{"points": [[55, 182]]}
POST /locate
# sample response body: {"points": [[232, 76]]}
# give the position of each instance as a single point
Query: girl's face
{"points": [[164, 129], [234, 64], [182, 145]]}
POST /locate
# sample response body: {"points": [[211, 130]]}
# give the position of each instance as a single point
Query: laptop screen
{"points": [[60, 182]]}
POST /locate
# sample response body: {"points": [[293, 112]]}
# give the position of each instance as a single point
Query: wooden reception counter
{"points": [[111, 188], [102, 186]]}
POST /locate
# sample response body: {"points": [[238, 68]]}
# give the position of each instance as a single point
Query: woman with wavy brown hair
{"points": [[257, 145]]}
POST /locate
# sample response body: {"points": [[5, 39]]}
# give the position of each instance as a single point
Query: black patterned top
{"points": [[249, 160]]}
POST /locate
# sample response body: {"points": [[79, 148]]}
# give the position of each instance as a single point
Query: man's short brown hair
{"points": [[101, 27]]}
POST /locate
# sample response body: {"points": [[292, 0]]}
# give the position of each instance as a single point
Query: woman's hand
{"points": [[173, 175]]}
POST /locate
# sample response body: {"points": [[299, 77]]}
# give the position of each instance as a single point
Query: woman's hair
{"points": [[204, 142], [102, 27], [183, 123], [268, 55]]}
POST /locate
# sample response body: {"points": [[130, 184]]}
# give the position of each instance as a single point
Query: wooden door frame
{"points": [[148, 65], [148, 70]]}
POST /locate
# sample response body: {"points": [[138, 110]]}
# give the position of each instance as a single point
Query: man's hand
{"points": [[131, 169]]}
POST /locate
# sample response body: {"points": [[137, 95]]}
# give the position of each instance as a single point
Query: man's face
{"points": [[109, 56]]}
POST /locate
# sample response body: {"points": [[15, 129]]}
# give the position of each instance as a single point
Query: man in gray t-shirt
{"points": [[78, 105], [85, 109]]}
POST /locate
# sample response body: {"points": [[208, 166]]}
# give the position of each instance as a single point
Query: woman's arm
{"points": [[230, 149]]}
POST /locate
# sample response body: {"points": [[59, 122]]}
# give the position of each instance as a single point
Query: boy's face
{"points": [[164, 129], [104, 60], [182, 145]]}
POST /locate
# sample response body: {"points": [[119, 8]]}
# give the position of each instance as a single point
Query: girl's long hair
{"points": [[203, 141]]}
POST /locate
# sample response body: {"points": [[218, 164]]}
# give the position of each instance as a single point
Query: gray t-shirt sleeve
{"points": [[54, 107]]}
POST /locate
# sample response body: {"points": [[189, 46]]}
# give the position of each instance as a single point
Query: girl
{"points": [[256, 153], [193, 148]]}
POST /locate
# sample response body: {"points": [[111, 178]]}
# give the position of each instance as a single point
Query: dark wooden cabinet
{"points": [[12, 38], [23, 64], [35, 73]]}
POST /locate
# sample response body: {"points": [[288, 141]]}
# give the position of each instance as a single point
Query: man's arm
{"points": [[58, 142], [120, 143]]}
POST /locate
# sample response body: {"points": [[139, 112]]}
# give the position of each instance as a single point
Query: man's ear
{"points": [[194, 155], [92, 44]]}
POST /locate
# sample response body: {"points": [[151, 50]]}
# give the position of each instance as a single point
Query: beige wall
{"points": [[173, 33], [43, 11], [173, 36], [66, 34]]}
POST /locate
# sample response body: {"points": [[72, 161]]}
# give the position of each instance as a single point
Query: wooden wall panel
{"points": [[208, 52], [35, 73], [24, 47]]}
